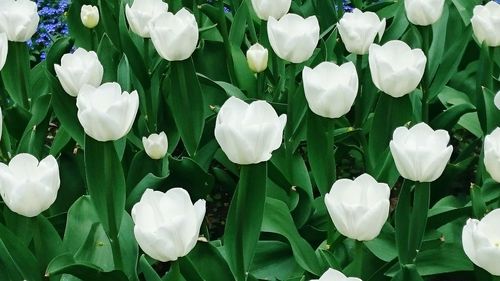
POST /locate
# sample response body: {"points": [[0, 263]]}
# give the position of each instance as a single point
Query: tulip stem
{"points": [[358, 259], [359, 106], [260, 85], [426, 38], [146, 54], [117, 252]]}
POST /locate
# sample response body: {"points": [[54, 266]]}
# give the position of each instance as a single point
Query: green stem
{"points": [[117, 252], [359, 105], [358, 259], [146, 54], [426, 38], [227, 44], [260, 85], [483, 80]]}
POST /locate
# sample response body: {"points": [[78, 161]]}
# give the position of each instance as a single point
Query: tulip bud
{"points": [[106, 113], [359, 29], [396, 69], [480, 239], [492, 154], [424, 12], [141, 13], [485, 23], [335, 275], [156, 145], [167, 225], [174, 36], [420, 153], [79, 69], [293, 38], [4, 48], [248, 133], [330, 89], [496, 100], [89, 16], [359, 207], [257, 57], [29, 187], [271, 8], [18, 19]]}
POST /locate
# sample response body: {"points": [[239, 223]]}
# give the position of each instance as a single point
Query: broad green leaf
{"points": [[244, 219], [320, 150], [186, 103], [106, 183], [277, 220], [215, 268], [16, 73]]}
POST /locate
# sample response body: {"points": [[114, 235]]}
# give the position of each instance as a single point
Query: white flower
{"points": [[359, 29], [335, 275], [330, 89], [396, 69], [167, 225], [496, 100], [293, 38], [359, 207], [481, 242], [424, 12], [79, 69], [492, 154], [248, 133], [156, 145], [257, 57], [271, 8], [106, 113], [174, 36], [29, 187], [420, 153], [18, 19], [485, 23], [4, 48], [89, 16], [141, 13]]}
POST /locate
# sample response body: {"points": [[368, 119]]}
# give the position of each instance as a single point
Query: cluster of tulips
{"points": [[167, 225]]}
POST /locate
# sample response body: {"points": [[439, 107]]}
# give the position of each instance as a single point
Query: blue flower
{"points": [[52, 24]]}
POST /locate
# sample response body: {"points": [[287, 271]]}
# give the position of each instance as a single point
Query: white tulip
{"points": [[359, 207], [156, 145], [420, 153], [141, 13], [481, 242], [174, 36], [29, 187], [257, 57], [89, 16], [492, 154], [396, 69], [330, 89], [271, 8], [424, 12], [496, 100], [79, 69], [485, 23], [335, 275], [359, 29], [248, 133], [18, 19], [293, 38], [106, 113], [4, 48], [167, 225]]}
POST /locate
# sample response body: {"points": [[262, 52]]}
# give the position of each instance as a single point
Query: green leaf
{"points": [[149, 273], [65, 109], [106, 183], [448, 119], [109, 56], [389, 114], [277, 220], [46, 240], [186, 102], [17, 258], [320, 150], [214, 268], [244, 219], [16, 72], [59, 48], [66, 264]]}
